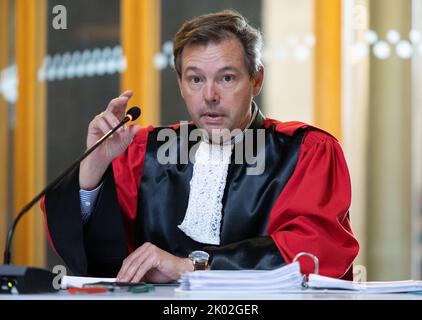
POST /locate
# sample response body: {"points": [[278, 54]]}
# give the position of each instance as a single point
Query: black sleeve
{"points": [[96, 248], [259, 253]]}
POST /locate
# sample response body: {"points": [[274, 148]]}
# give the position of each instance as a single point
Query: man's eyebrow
{"points": [[192, 68], [228, 68], [224, 69]]}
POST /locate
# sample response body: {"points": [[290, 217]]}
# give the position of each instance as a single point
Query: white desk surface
{"points": [[169, 293]]}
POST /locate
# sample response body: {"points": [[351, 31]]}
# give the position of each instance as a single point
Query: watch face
{"points": [[199, 256]]}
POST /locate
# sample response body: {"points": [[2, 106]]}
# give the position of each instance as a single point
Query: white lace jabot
{"points": [[203, 215], [202, 220]]}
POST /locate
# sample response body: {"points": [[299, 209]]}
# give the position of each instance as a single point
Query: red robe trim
{"points": [[312, 212], [127, 170], [47, 230]]}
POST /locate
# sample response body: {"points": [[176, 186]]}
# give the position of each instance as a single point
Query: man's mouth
{"points": [[213, 117], [213, 114]]}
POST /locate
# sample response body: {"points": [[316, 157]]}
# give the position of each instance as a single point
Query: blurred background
{"points": [[351, 67]]}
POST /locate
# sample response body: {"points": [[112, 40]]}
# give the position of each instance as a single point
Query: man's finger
{"points": [[118, 106], [126, 265], [128, 261], [134, 267], [111, 119], [134, 129], [127, 93], [102, 124], [128, 133], [147, 265]]}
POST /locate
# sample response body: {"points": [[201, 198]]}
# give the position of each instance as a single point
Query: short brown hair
{"points": [[216, 27]]}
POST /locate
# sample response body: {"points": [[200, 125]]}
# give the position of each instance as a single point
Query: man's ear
{"points": [[258, 81]]}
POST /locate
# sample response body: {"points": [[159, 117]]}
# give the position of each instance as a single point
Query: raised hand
{"points": [[94, 166]]}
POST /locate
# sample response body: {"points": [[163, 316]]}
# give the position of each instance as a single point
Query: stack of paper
{"points": [[78, 282], [322, 282], [285, 278]]}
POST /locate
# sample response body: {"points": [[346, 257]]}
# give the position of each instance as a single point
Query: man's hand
{"points": [[150, 263], [94, 166]]}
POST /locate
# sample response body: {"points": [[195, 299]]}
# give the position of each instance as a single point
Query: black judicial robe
{"points": [[299, 204]]}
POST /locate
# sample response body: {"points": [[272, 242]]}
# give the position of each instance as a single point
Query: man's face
{"points": [[216, 85]]}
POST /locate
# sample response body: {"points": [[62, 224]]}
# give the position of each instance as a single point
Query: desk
{"points": [[169, 293]]}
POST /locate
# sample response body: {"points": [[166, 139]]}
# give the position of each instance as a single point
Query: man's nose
{"points": [[211, 94]]}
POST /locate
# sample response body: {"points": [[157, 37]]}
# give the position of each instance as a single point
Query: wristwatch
{"points": [[199, 259]]}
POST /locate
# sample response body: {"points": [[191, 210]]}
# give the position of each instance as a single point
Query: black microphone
{"points": [[7, 272]]}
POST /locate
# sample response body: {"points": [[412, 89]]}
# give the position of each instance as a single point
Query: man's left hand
{"points": [[150, 263]]}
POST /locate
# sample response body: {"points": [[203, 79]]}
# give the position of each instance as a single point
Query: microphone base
{"points": [[25, 280]]}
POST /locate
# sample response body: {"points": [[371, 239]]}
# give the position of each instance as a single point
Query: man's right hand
{"points": [[93, 167]]}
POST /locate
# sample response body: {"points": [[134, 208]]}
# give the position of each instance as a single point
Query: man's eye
{"points": [[195, 80], [228, 78]]}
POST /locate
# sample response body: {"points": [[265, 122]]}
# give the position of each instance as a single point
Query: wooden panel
{"points": [[295, 101], [31, 17], [140, 42], [4, 10], [389, 152], [327, 85]]}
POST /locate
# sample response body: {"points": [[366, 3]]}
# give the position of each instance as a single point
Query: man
{"points": [[128, 214]]}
